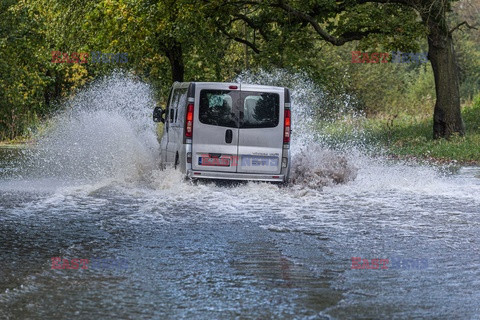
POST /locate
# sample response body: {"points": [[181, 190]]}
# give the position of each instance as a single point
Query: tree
{"points": [[156, 33], [22, 70], [342, 21]]}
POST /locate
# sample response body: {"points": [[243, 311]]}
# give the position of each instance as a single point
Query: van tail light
{"points": [[286, 126], [189, 121]]}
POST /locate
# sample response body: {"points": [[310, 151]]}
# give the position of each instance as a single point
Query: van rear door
{"points": [[260, 137], [215, 127]]}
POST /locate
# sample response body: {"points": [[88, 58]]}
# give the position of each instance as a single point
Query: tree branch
{"points": [[235, 38], [461, 24], [338, 41], [252, 24]]}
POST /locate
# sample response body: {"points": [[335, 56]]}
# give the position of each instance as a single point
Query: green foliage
{"points": [[467, 46], [22, 72], [203, 35]]}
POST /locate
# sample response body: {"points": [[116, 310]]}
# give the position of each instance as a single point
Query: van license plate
{"points": [[220, 162]]}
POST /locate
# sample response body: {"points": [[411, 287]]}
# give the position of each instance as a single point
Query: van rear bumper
{"points": [[197, 174]]}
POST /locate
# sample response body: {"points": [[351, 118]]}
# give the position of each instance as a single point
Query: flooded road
{"points": [[161, 247]]}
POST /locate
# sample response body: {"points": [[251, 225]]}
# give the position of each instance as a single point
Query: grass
{"points": [[15, 143], [407, 136]]}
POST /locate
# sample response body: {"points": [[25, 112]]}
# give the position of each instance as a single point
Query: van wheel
{"points": [[176, 160]]}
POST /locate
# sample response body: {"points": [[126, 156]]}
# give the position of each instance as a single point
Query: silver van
{"points": [[233, 131]]}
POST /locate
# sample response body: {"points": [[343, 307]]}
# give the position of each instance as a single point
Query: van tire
{"points": [[176, 160]]}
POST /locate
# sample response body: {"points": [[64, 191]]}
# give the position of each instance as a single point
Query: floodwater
{"points": [[160, 247]]}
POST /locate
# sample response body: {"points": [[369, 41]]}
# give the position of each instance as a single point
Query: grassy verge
{"points": [[16, 143], [411, 137], [408, 136]]}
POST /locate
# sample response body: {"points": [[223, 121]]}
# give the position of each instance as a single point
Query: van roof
{"points": [[186, 84]]}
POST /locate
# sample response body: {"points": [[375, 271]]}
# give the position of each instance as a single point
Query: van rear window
{"points": [[239, 110], [217, 108], [260, 110]]}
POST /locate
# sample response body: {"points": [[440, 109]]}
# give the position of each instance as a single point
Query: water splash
{"points": [[106, 134], [314, 163], [318, 167], [105, 131]]}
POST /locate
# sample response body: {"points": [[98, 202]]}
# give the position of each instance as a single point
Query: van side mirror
{"points": [[158, 113]]}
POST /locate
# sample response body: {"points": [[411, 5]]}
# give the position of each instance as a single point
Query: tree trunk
{"points": [[447, 118], [175, 56]]}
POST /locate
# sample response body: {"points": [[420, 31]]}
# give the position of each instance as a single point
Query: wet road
{"points": [[160, 247]]}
